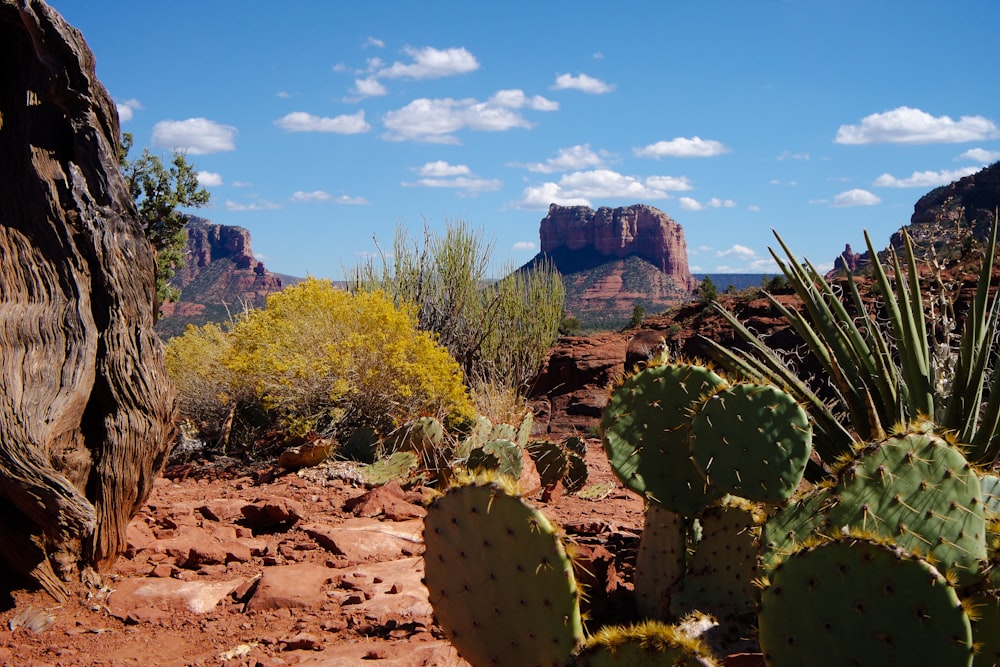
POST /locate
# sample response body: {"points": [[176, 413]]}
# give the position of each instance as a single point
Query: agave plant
{"points": [[881, 373]]}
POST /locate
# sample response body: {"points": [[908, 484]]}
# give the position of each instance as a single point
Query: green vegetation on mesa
{"points": [[888, 554]]}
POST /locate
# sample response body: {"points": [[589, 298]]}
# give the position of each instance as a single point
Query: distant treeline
{"points": [[738, 281]]}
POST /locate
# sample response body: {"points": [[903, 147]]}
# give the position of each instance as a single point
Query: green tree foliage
{"points": [[499, 331], [709, 292], [638, 315], [159, 192], [319, 359]]}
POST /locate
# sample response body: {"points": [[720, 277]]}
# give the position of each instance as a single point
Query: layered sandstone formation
{"points": [[219, 277]]}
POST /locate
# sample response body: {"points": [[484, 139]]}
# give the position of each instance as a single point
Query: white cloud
{"points": [[436, 120], [259, 205], [442, 169], [374, 42], [715, 202], [315, 195], [516, 99], [370, 87], [283, 94], [568, 159], [209, 179], [682, 147], [737, 250], [524, 245], [980, 155], [469, 184], [905, 125], [241, 184], [580, 187], [923, 179], [197, 136], [587, 84], [351, 201], [856, 197], [300, 121], [690, 204], [429, 63], [127, 109], [753, 207], [789, 155]]}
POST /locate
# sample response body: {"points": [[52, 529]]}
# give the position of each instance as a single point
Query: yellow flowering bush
{"points": [[318, 358]]}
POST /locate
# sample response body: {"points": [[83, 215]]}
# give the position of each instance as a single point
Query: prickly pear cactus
{"points": [[649, 644], [791, 525], [645, 431], [551, 460], [720, 579], [502, 456], [854, 601], [499, 579], [986, 628], [919, 491], [991, 492], [660, 561], [576, 474], [397, 467], [752, 441]]}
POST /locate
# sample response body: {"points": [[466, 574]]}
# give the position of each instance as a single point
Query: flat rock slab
{"points": [[140, 595], [301, 585], [369, 539], [390, 591], [404, 653]]}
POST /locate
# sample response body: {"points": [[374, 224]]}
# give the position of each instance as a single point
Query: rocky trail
{"points": [[236, 566]]}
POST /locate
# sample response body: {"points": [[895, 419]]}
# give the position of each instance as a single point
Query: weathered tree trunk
{"points": [[86, 409]]}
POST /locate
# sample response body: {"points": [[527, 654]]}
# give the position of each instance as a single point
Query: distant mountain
{"points": [[219, 276]]}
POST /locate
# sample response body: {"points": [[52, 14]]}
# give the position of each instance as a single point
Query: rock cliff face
{"points": [[616, 233], [220, 275], [943, 218], [614, 259]]}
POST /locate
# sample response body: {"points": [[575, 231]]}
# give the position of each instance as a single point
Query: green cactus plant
{"points": [[499, 579], [985, 614], [502, 456], [645, 431], [577, 473], [551, 460], [857, 601], [721, 578], [752, 441], [647, 644], [660, 561]]}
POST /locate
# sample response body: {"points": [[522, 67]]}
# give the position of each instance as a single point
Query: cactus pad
{"points": [[791, 525], [645, 431], [649, 644], [502, 456], [720, 580], [499, 579], [660, 561], [752, 441], [858, 602], [577, 474], [986, 628], [551, 460], [920, 492]]}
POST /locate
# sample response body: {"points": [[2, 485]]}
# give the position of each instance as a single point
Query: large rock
{"points": [[638, 230], [87, 411]]}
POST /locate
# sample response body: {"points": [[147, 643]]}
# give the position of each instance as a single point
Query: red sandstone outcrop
{"points": [[616, 233]]}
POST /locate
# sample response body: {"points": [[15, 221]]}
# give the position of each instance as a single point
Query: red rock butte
{"points": [[614, 233]]}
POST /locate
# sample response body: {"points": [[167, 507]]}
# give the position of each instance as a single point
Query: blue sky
{"points": [[318, 125]]}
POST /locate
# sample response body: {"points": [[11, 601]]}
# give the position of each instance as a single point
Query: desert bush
{"points": [[320, 359], [499, 331], [195, 363]]}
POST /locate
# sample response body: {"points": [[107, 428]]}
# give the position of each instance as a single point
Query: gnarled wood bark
{"points": [[86, 409]]}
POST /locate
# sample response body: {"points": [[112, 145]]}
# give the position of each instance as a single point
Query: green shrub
{"points": [[320, 359]]}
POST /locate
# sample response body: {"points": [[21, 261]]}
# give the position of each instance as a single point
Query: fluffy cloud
{"points": [[568, 159], [516, 99], [578, 188], [923, 179], [370, 87], [429, 63], [315, 195], [196, 136], [300, 121], [587, 84], [980, 155], [437, 120], [523, 246], [351, 201], [259, 205], [127, 109], [856, 197], [737, 250], [905, 125], [208, 179], [440, 174], [692, 204], [682, 147]]}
